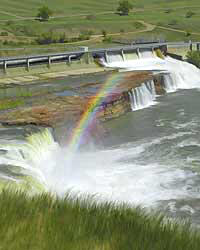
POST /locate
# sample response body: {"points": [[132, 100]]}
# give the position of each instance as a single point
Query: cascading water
{"points": [[143, 96], [150, 158], [146, 53], [176, 75], [169, 83], [114, 58]]}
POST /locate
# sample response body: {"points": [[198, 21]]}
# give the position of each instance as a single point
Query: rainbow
{"points": [[89, 115]]}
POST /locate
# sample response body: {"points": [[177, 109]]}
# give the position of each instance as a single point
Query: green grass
{"points": [[47, 222], [63, 7], [9, 104], [70, 18], [73, 25], [159, 33]]}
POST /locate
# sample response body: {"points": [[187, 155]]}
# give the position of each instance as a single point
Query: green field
{"points": [[27, 8], [17, 18], [46, 222]]}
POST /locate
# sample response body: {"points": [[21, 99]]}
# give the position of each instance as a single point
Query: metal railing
{"points": [[76, 55]]}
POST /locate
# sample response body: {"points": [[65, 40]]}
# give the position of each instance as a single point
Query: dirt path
{"points": [[149, 27], [177, 30], [11, 14]]}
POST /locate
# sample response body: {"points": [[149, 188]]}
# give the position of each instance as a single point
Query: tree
{"points": [[189, 14], [124, 7], [44, 13], [104, 33]]}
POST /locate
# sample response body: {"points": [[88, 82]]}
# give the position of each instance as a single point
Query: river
{"points": [[150, 157]]}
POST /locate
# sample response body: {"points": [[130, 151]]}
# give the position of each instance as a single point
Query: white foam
{"points": [[106, 173]]}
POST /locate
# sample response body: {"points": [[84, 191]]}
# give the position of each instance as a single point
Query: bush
{"points": [[45, 38], [50, 37], [160, 24], [107, 39], [5, 42], [62, 38], [167, 11], [187, 33], [189, 14], [90, 17], [173, 22], [104, 33], [138, 25], [44, 13], [124, 7], [194, 58], [4, 33]]}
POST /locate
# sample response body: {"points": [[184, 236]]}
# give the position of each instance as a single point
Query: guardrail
{"points": [[68, 57]]}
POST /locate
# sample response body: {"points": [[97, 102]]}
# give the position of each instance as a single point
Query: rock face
{"points": [[49, 111], [53, 110]]}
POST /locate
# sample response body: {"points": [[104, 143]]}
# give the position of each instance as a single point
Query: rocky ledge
{"points": [[57, 109]]}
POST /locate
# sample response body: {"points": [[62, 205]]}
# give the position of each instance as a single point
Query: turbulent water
{"points": [[151, 157]]}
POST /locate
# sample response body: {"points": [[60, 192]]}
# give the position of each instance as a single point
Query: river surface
{"points": [[161, 162], [150, 157]]}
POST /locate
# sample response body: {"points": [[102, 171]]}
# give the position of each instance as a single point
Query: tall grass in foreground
{"points": [[50, 223]]}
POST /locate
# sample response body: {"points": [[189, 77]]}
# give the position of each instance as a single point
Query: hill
{"points": [[86, 19]]}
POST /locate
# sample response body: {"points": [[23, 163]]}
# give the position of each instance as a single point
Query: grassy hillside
{"points": [[18, 26], [45, 222], [26, 8]]}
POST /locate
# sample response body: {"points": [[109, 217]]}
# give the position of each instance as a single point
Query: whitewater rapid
{"points": [[176, 75], [108, 174]]}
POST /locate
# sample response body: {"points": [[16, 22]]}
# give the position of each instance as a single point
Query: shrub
{"points": [[194, 58], [46, 38], [107, 39], [104, 33], [189, 14], [160, 24], [159, 53], [44, 13], [167, 11], [173, 22], [4, 33], [124, 7], [5, 42], [90, 17], [137, 25], [62, 38], [187, 33]]}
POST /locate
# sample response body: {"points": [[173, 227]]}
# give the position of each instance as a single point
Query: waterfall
{"points": [[146, 53], [35, 156], [114, 58], [143, 96], [170, 85]]}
